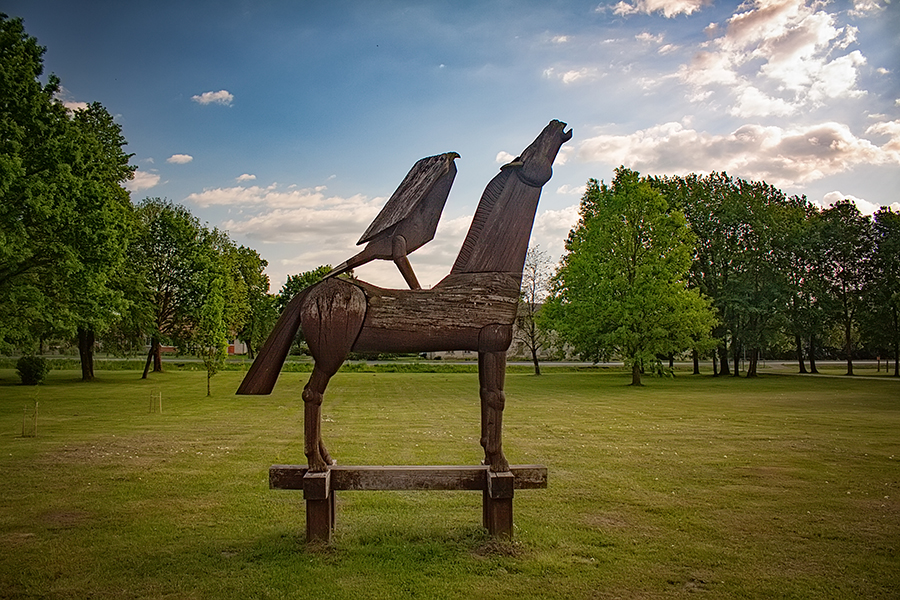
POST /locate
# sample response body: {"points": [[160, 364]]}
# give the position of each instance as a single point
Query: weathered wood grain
{"points": [[449, 316], [396, 478]]}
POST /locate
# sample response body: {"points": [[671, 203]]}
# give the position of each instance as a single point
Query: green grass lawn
{"points": [[779, 487]]}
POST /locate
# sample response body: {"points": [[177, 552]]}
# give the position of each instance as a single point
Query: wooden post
{"points": [[156, 402], [497, 504], [319, 506]]}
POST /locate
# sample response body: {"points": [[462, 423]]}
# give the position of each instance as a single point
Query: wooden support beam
{"points": [[319, 489], [442, 477]]}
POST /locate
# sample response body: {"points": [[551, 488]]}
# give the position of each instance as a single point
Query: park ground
{"points": [[774, 487]]}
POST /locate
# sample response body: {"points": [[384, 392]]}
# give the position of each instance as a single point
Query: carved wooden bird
{"points": [[409, 218]]}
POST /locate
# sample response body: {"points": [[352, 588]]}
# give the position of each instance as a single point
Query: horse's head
{"points": [[534, 165]]}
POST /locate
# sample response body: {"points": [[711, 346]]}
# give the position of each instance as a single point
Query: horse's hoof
{"points": [[318, 466]]}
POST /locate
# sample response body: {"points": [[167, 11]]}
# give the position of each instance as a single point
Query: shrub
{"points": [[32, 369]]}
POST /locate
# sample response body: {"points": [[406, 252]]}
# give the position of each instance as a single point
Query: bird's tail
{"points": [[263, 373], [351, 263]]}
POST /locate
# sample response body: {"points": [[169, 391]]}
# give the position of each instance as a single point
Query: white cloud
{"points": [[142, 180], [838, 78], [649, 37], [73, 106], [571, 190], [782, 157], [891, 130], [864, 7], [551, 228], [864, 206], [246, 177], [504, 157], [221, 97], [786, 48], [275, 214], [560, 39], [569, 76], [180, 159], [752, 102], [669, 8], [63, 95]]}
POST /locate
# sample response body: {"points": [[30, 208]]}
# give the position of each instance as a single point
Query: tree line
{"points": [[725, 268]]}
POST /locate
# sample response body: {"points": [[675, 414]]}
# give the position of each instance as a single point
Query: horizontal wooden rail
{"points": [[441, 477]]}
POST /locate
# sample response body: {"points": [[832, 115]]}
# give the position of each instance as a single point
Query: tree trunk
{"points": [[799, 342], [671, 361], [848, 343], [736, 356], [754, 361], [154, 356], [636, 373], [896, 344], [715, 361], [723, 360], [157, 358], [812, 355], [208, 378], [534, 359], [696, 357], [86, 352], [147, 364]]}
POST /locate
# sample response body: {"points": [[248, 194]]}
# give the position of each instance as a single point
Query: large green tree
{"points": [[32, 228], [846, 263], [172, 256], [707, 203], [261, 314], [759, 290], [105, 222], [621, 288], [742, 257], [882, 315], [64, 218], [809, 306]]}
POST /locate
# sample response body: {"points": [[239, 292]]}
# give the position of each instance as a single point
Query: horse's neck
{"points": [[498, 236]]}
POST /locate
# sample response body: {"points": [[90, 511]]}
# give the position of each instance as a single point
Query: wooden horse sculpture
{"points": [[473, 308]]}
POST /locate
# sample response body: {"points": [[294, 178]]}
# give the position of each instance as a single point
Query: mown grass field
{"points": [[779, 487]]}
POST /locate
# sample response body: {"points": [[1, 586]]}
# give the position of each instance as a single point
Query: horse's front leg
{"points": [[491, 376], [317, 456], [332, 316]]}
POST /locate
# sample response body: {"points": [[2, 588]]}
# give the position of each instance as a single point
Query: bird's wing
{"points": [[414, 187]]}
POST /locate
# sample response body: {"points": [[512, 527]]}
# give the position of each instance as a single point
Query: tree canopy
{"points": [[64, 217], [622, 285]]}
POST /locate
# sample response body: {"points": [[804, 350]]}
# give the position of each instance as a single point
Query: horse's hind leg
{"points": [[317, 455], [332, 318], [491, 375], [494, 340]]}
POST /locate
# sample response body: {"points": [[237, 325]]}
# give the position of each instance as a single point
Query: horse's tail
{"points": [[263, 373]]}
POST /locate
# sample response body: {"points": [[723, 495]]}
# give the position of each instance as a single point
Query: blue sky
{"points": [[289, 124]]}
